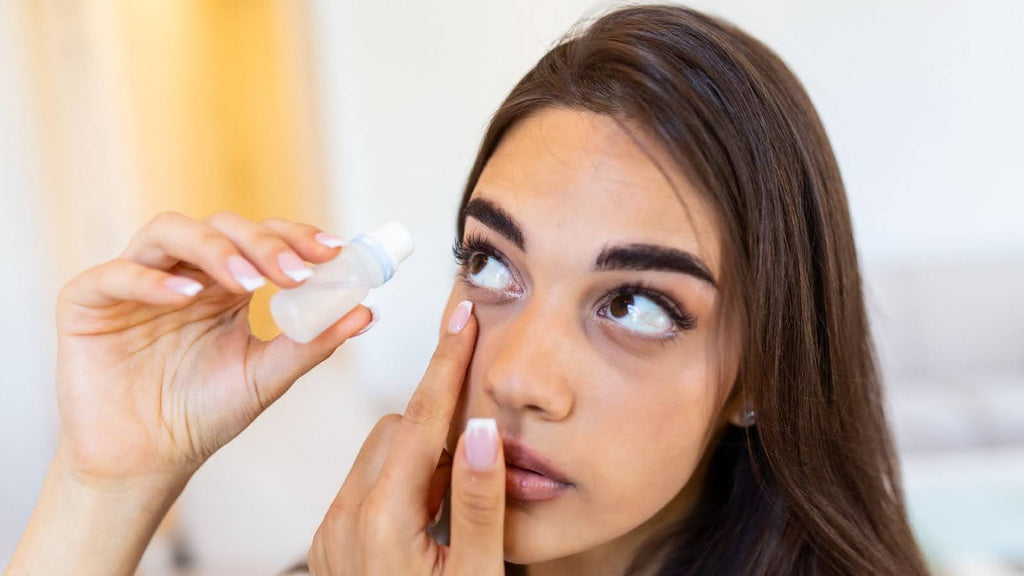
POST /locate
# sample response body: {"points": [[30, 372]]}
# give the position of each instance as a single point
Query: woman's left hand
{"points": [[377, 524]]}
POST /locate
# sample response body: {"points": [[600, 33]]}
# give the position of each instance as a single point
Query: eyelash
{"points": [[464, 250]]}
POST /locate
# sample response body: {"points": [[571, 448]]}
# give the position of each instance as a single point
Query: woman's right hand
{"points": [[156, 372]]}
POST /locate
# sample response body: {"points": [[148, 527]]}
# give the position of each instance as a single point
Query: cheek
{"points": [[651, 443]]}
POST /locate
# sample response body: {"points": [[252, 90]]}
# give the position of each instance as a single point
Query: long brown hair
{"points": [[813, 487]]}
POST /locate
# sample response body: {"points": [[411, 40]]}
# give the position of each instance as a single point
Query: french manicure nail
{"points": [[481, 443], [329, 240], [245, 273], [459, 317], [376, 315], [182, 285], [293, 266]]}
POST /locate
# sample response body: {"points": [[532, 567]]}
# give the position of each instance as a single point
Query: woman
{"points": [[655, 359]]}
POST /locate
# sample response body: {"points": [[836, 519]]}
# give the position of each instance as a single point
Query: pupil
{"points": [[477, 263], [619, 306]]}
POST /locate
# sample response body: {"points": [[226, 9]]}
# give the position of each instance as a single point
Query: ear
{"points": [[740, 412]]}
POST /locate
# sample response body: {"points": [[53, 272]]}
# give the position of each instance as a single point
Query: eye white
{"points": [[641, 314], [494, 275]]}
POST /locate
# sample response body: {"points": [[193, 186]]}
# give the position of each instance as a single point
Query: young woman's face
{"points": [[595, 293]]}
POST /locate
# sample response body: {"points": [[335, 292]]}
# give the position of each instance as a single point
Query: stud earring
{"points": [[748, 418]]}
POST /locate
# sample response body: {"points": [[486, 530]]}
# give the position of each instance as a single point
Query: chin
{"points": [[536, 533]]}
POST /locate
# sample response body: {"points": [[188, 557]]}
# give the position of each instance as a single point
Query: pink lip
{"points": [[529, 477]]}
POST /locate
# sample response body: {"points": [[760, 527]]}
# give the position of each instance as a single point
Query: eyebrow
{"points": [[495, 218], [635, 256]]}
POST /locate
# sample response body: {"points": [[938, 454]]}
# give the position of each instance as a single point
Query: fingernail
{"points": [[182, 285], [245, 273], [459, 318], [293, 266], [437, 517], [481, 443], [329, 240], [376, 315]]}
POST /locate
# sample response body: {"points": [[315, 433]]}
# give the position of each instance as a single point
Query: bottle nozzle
{"points": [[396, 241]]}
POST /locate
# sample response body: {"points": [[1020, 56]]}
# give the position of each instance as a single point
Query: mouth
{"points": [[529, 477]]}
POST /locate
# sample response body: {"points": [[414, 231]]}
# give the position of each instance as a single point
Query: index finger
{"points": [[419, 440]]}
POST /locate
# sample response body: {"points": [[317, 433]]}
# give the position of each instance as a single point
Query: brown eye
{"points": [[638, 313], [619, 306], [488, 272], [477, 263]]}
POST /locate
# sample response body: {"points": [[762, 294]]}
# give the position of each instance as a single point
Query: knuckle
{"points": [[166, 217], [274, 222], [68, 288], [160, 222], [340, 510], [221, 217], [477, 508], [218, 243], [422, 408], [376, 524], [319, 557], [268, 244], [387, 422], [445, 358]]}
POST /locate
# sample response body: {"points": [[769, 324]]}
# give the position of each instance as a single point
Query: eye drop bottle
{"points": [[366, 261]]}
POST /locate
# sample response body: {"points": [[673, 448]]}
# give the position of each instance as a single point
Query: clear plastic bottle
{"points": [[367, 261]]}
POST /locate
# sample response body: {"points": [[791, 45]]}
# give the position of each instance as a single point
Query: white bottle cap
{"points": [[396, 241]]}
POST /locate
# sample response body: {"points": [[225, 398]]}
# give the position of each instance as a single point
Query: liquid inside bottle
{"points": [[336, 287]]}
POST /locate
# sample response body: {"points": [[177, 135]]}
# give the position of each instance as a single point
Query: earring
{"points": [[748, 417]]}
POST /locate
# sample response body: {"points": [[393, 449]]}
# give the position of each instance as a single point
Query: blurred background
{"points": [[346, 114]]}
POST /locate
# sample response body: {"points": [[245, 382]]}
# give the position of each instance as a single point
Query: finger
{"points": [[368, 463], [310, 242], [276, 364], [420, 437], [439, 482], [263, 247], [478, 501], [122, 280], [170, 238]]}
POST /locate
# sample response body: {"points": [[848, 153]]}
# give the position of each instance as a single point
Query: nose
{"points": [[530, 371]]}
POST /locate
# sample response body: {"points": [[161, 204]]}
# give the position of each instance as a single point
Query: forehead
{"points": [[578, 180]]}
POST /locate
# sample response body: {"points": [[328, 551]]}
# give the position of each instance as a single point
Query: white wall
{"points": [[27, 398]]}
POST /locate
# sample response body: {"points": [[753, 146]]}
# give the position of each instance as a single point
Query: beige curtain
{"points": [[188, 105]]}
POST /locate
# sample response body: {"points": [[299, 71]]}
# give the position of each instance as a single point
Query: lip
{"points": [[529, 477]]}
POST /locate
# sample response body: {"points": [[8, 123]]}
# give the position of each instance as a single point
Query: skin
{"points": [[628, 419]]}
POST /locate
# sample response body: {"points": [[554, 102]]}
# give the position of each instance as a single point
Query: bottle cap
{"points": [[396, 241]]}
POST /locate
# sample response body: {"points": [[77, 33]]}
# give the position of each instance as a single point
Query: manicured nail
{"points": [[459, 317], [182, 285], [293, 266], [437, 517], [481, 443], [376, 315], [329, 240], [245, 273]]}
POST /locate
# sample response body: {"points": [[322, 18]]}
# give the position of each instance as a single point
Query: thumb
{"points": [[477, 531], [274, 365]]}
